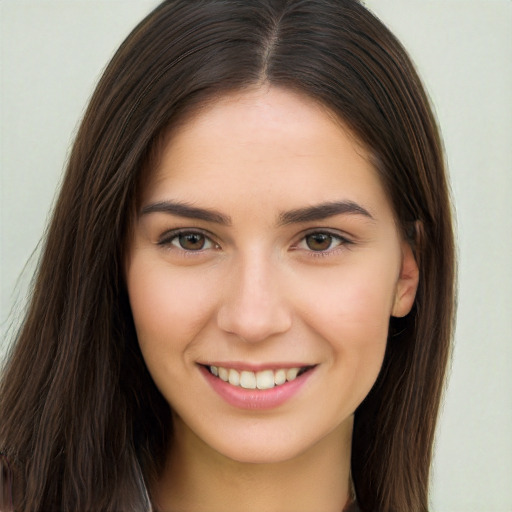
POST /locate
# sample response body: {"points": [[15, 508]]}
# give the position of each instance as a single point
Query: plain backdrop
{"points": [[52, 53]]}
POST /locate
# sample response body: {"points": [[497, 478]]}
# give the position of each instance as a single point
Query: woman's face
{"points": [[265, 253]]}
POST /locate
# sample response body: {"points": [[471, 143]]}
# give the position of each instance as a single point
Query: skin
{"points": [[261, 291]]}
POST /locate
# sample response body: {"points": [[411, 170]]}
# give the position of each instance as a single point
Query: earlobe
{"points": [[407, 283]]}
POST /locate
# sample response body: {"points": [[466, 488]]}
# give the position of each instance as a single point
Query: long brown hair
{"points": [[82, 424]]}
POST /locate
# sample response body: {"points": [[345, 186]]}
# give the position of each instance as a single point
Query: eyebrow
{"points": [[323, 211], [186, 210], [297, 216]]}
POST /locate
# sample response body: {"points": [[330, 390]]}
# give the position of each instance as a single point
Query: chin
{"points": [[279, 445], [267, 454]]}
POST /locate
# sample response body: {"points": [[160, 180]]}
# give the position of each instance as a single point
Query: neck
{"points": [[202, 480]]}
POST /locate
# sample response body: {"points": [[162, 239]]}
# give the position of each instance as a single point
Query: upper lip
{"points": [[255, 367]]}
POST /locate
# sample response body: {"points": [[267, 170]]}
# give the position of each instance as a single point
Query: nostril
{"points": [[253, 323]]}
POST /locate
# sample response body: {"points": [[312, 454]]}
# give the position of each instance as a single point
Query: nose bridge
{"points": [[254, 306]]}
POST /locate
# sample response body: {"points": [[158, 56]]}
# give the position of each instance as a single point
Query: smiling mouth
{"points": [[264, 379]]}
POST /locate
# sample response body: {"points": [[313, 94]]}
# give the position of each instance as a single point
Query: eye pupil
{"points": [[192, 241], [319, 241]]}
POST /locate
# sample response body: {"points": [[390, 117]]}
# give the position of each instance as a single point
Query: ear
{"points": [[407, 282]]}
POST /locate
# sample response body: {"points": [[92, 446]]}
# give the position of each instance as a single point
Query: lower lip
{"points": [[256, 398]]}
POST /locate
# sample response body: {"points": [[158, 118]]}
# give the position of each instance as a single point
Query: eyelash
{"points": [[167, 241], [343, 243]]}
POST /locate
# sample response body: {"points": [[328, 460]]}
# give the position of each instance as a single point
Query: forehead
{"points": [[268, 144]]}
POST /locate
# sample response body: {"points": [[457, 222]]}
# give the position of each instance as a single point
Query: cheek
{"points": [[356, 300], [168, 308], [350, 311]]}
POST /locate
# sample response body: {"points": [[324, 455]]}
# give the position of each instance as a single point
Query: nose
{"points": [[254, 306]]}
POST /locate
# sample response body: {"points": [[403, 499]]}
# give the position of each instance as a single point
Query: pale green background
{"points": [[52, 53]]}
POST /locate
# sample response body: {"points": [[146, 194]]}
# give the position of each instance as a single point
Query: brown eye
{"points": [[185, 240], [190, 241], [319, 241]]}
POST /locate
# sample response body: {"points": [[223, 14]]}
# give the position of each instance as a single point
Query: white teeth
{"points": [[234, 377], [248, 380], [265, 379], [280, 377], [291, 374], [223, 374]]}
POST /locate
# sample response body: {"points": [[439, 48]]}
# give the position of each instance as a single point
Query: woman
{"points": [[246, 294]]}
